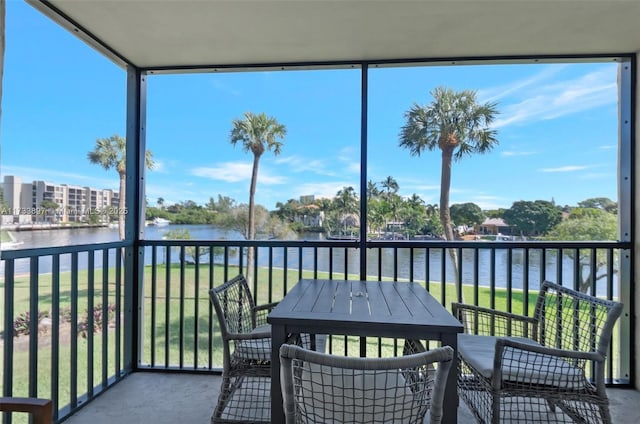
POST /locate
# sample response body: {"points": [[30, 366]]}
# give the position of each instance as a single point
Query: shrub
{"points": [[23, 320], [98, 320]]}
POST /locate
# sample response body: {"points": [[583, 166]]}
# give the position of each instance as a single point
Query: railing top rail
{"points": [[398, 243], [472, 244], [437, 244], [255, 243], [56, 250]]}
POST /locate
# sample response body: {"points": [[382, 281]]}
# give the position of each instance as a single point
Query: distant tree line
{"points": [[591, 219]]}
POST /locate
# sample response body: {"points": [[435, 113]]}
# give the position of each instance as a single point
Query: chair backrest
{"points": [[571, 320], [319, 387], [234, 306]]}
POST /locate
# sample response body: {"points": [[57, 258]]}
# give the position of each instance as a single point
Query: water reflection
{"points": [[499, 265]]}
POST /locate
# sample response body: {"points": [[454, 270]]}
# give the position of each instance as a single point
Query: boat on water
{"points": [[10, 245], [350, 238], [159, 221]]}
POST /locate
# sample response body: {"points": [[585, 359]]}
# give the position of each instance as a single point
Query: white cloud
{"points": [[299, 164], [568, 168], [609, 147], [233, 172], [598, 175], [343, 162], [346, 153], [512, 153], [420, 187], [159, 166], [171, 193], [485, 202], [225, 88], [557, 98], [353, 168], [325, 189], [493, 94]]}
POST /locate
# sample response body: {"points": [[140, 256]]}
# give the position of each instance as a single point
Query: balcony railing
{"points": [[76, 348]]}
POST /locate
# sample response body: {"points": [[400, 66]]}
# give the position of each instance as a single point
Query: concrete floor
{"points": [[158, 398]]}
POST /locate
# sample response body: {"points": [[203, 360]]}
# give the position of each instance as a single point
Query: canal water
{"points": [[423, 261]]}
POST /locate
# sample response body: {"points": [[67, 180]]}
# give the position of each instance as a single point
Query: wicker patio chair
{"points": [[246, 339], [323, 388], [545, 368]]}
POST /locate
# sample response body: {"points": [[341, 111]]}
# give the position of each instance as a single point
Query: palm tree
{"points": [[372, 190], [456, 124], [390, 185], [415, 200], [111, 153], [257, 134], [346, 201]]}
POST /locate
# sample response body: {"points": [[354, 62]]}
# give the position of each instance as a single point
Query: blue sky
{"points": [[557, 125]]}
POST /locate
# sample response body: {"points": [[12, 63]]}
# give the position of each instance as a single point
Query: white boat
{"points": [[10, 244], [160, 221], [7, 245]]}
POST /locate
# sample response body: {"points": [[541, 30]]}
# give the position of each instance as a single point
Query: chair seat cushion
{"points": [[255, 349], [355, 396], [260, 349], [265, 328], [521, 367]]}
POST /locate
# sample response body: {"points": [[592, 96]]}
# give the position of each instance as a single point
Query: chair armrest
{"points": [[250, 336], [490, 322], [262, 311], [40, 409], [526, 364], [502, 343]]}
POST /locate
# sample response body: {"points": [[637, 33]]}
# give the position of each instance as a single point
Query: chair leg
{"points": [[605, 414], [495, 406], [223, 397]]}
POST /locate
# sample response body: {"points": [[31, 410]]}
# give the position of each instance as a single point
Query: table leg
{"points": [[450, 408], [278, 338]]}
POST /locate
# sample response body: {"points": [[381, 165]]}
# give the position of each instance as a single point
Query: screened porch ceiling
{"points": [[175, 34]]}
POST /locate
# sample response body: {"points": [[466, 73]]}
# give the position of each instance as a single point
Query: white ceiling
{"points": [[188, 33]]}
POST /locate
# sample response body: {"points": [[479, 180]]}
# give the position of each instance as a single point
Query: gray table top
{"points": [[380, 308]]}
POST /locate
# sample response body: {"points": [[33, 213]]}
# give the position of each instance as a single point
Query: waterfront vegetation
{"points": [[389, 213]]}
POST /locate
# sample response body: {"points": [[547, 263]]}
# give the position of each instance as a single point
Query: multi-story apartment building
{"points": [[42, 201]]}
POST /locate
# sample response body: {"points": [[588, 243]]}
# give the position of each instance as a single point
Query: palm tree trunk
{"points": [[445, 187], [445, 215], [252, 217]]}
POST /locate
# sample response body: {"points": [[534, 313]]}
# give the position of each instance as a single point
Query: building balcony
{"points": [[86, 339]]}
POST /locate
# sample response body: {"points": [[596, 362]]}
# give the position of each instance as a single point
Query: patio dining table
{"points": [[403, 310]]}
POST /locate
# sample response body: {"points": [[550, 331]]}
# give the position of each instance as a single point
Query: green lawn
{"points": [[4, 236], [187, 290], [176, 290]]}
